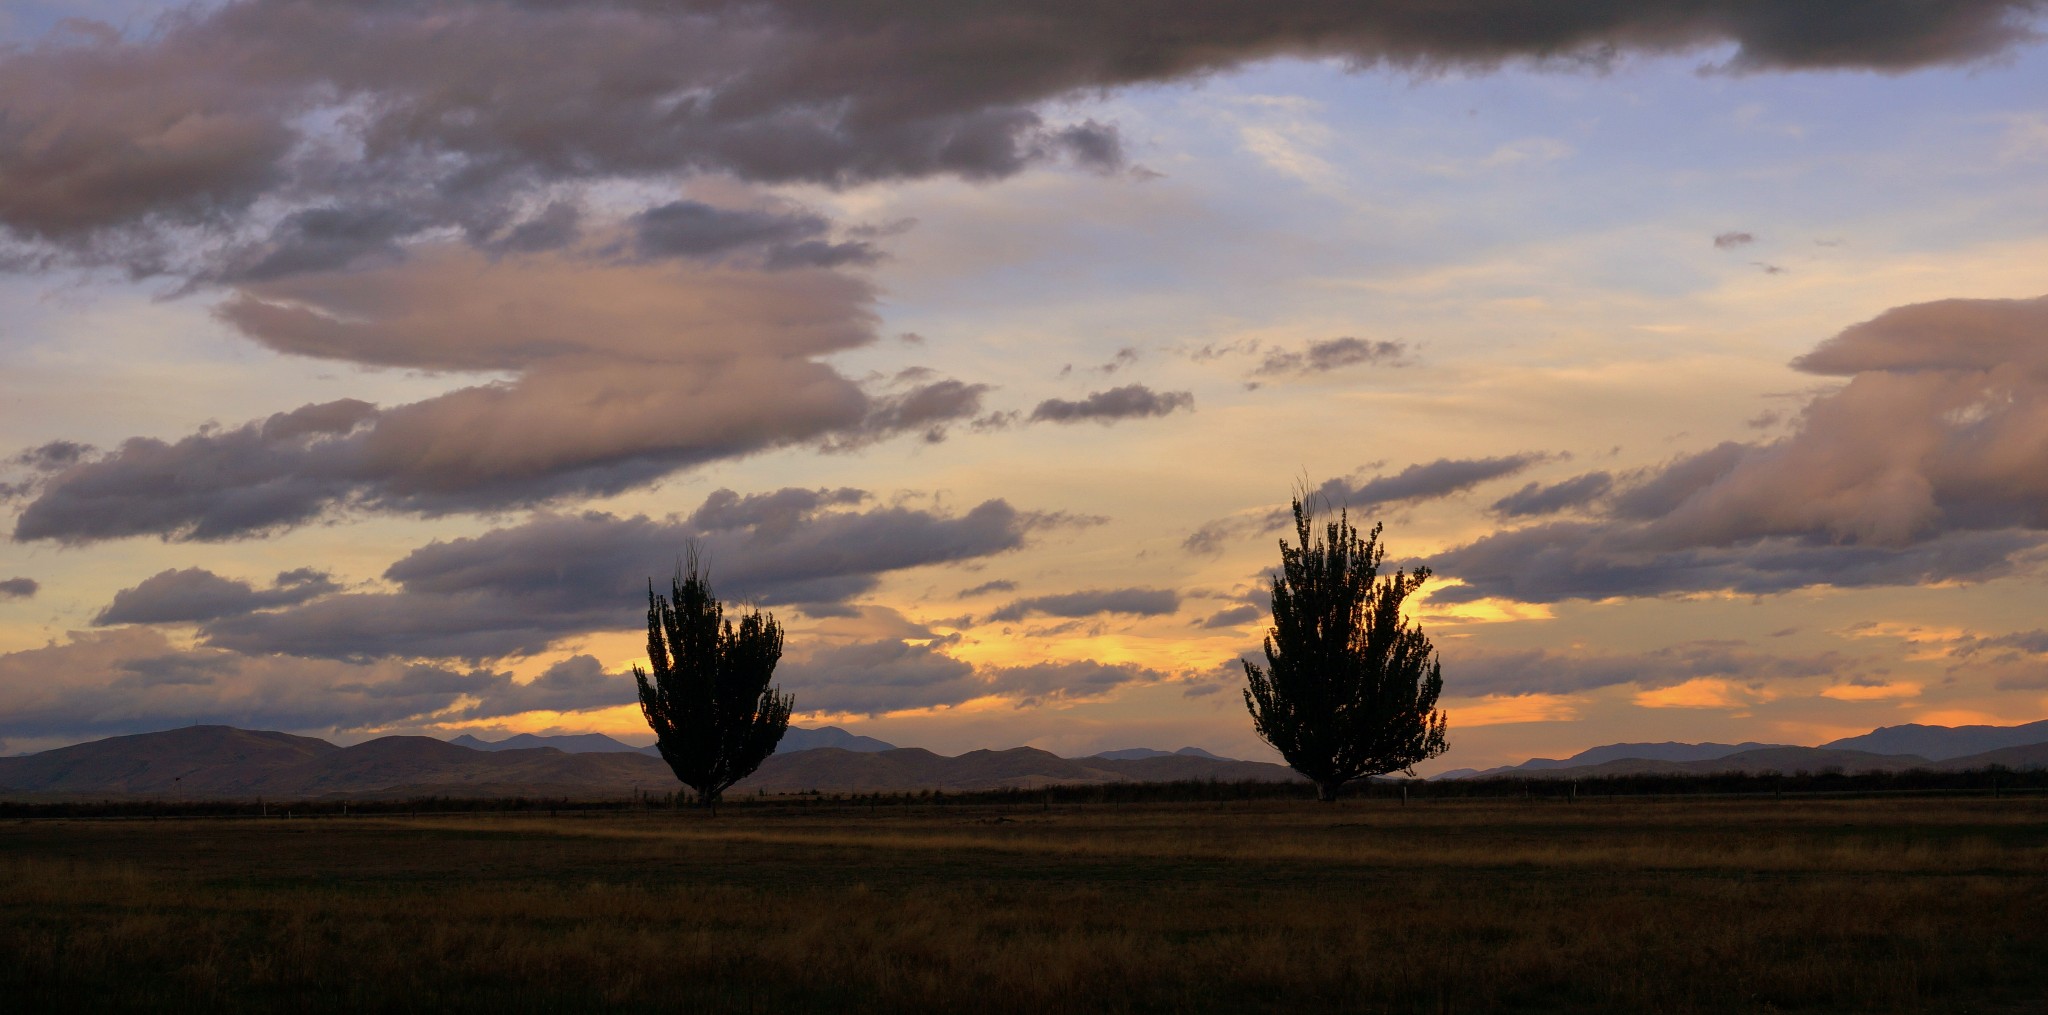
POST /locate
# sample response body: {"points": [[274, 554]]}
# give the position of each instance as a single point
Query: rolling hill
{"points": [[1940, 743], [220, 762], [796, 738]]}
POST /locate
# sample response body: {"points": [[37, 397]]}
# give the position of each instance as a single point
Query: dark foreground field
{"points": [[1618, 905]]}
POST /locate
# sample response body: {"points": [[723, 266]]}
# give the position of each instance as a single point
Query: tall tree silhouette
{"points": [[715, 717], [1349, 688]]}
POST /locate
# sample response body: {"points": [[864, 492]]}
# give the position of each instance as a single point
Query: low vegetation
{"points": [[1618, 904]]}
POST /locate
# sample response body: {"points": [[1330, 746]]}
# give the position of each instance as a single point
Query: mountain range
{"points": [[1886, 749], [221, 762], [794, 739]]}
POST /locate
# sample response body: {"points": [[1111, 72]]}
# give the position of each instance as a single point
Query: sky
{"points": [[362, 362]]}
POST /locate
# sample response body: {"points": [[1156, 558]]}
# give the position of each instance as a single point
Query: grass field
{"points": [[1479, 906]]}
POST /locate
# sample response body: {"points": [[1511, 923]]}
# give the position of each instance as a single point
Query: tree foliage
{"points": [[714, 715], [1350, 686]]}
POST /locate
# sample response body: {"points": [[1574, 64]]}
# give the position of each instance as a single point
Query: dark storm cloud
{"points": [[1134, 601], [1132, 401], [515, 591], [1924, 467], [195, 594], [1331, 354], [1536, 499], [196, 121], [19, 588]]}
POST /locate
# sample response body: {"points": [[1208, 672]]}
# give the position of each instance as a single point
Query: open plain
{"points": [[1614, 904]]}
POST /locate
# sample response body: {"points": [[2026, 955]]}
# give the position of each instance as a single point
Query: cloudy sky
{"points": [[361, 360]]}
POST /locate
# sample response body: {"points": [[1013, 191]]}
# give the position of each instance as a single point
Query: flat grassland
{"points": [[1631, 905]]}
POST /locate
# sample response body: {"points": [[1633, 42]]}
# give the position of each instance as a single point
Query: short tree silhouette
{"points": [[714, 716], [1349, 688]]}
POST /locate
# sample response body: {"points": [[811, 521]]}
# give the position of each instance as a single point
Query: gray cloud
{"points": [[873, 677], [19, 588], [52, 456], [194, 594], [1134, 601], [1236, 616], [1923, 467], [1477, 673], [1535, 499], [929, 410], [1040, 683], [622, 375], [32, 465], [130, 680], [1729, 241], [1594, 560], [576, 684], [133, 679], [1415, 484], [194, 123], [515, 591], [1424, 481], [323, 239], [776, 239], [999, 585], [1331, 354], [1945, 335], [1132, 401]]}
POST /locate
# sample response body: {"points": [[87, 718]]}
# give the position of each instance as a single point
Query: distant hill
{"points": [[912, 768], [573, 743], [1134, 753], [159, 764], [796, 738], [220, 762], [1666, 751], [1939, 743], [1790, 760], [1889, 748], [800, 739]]}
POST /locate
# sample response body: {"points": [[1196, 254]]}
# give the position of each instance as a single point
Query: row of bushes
{"points": [[1990, 782]]}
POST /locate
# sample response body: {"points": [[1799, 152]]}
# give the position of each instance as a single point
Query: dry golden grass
{"points": [[1921, 905]]}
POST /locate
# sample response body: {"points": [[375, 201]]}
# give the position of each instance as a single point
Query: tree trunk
{"points": [[1327, 791]]}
